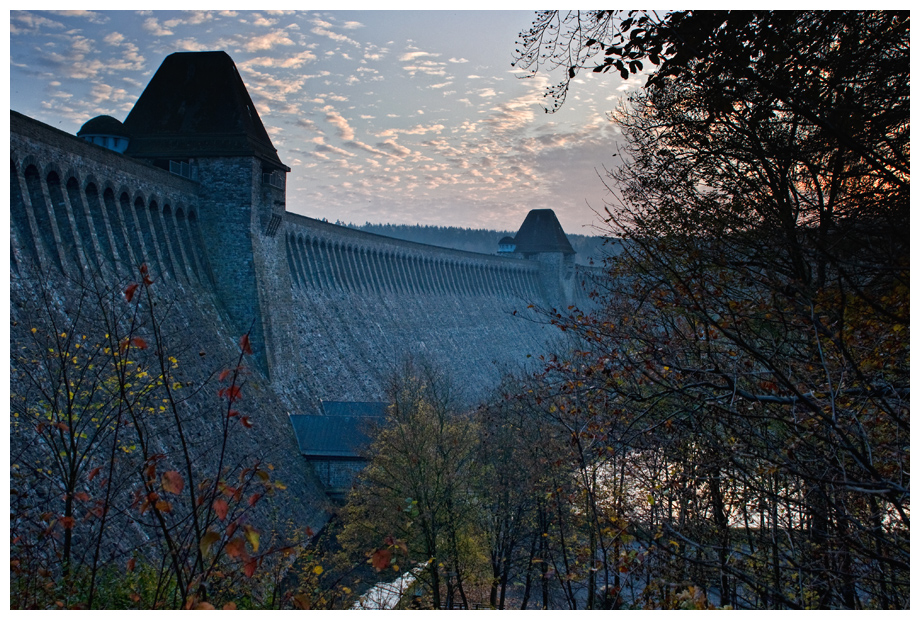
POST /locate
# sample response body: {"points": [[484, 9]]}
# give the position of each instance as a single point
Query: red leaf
{"points": [[220, 507], [144, 268], [81, 496], [246, 421], [229, 606], [244, 344], [129, 292], [233, 413], [163, 506], [68, 522], [94, 473], [254, 498], [381, 559], [131, 564], [250, 567], [173, 482], [234, 393], [224, 374], [139, 342], [236, 548]]}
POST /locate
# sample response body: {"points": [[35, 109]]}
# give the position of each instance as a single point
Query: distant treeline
{"points": [[479, 240]]}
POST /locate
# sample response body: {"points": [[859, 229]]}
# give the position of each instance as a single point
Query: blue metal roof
{"points": [[344, 432]]}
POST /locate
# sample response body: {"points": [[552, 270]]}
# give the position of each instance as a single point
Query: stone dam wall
{"points": [[331, 310]]}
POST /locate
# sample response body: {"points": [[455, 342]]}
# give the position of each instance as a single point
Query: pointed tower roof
{"points": [[196, 105], [542, 232]]}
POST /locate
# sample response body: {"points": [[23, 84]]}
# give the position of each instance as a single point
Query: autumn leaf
{"points": [[250, 567], [129, 292], [244, 344], [173, 482], [81, 496], [204, 605], [68, 522], [381, 559], [252, 536], [139, 342], [301, 601], [93, 473], [246, 421], [207, 541], [254, 498], [163, 506], [220, 507], [236, 548], [131, 563], [229, 606], [224, 374]]}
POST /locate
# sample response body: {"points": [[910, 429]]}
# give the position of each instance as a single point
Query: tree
{"points": [[755, 333], [413, 499], [101, 443]]}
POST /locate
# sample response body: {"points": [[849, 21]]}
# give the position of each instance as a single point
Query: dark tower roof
{"points": [[542, 232], [103, 126], [196, 105]]}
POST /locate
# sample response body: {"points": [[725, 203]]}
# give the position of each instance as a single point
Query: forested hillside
{"points": [[477, 239]]}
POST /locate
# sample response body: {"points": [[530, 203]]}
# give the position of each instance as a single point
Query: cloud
{"points": [[352, 25], [393, 148], [194, 19], [321, 28], [104, 92], [367, 147], [458, 60], [114, 38], [191, 45], [410, 56], [328, 148], [285, 62], [92, 16], [339, 122], [308, 124], [30, 22], [152, 25], [416, 131], [267, 41]]}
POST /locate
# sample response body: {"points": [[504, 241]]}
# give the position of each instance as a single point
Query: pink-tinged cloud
{"points": [[395, 149], [367, 147], [339, 122], [323, 31], [285, 62], [267, 41], [194, 19], [410, 56]]}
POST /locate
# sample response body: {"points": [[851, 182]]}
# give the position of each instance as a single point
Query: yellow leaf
{"points": [[317, 570], [252, 536], [207, 541]]}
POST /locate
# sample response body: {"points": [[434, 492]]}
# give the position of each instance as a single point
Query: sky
{"points": [[400, 117]]}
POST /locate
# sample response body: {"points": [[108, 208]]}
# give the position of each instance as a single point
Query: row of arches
{"points": [[323, 264], [90, 225]]}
